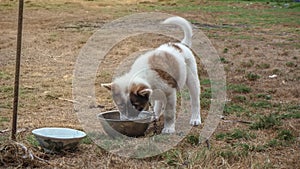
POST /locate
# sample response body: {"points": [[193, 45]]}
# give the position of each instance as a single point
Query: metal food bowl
{"points": [[54, 140], [114, 126]]}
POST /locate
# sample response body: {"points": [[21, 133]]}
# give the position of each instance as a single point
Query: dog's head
{"points": [[131, 99]]}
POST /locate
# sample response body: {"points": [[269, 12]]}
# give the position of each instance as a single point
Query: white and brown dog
{"points": [[166, 69]]}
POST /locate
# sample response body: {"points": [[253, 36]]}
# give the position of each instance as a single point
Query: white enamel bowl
{"points": [[53, 139]]}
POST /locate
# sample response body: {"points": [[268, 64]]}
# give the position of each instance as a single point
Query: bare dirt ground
{"points": [[251, 49]]}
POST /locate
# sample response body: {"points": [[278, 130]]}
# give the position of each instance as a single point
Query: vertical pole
{"points": [[17, 71]]}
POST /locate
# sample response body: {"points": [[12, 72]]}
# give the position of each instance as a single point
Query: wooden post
{"points": [[17, 71]]}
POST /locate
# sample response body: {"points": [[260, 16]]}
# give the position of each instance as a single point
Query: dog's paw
{"points": [[195, 122], [168, 130]]}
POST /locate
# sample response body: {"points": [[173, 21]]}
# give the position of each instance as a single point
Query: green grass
{"points": [[285, 135], [266, 122], [178, 5], [248, 64], [193, 139], [205, 82], [4, 119], [270, 15], [171, 157], [8, 5], [274, 13], [284, 138], [241, 140], [5, 76], [239, 88], [223, 60], [273, 143], [274, 120], [291, 64], [3, 139], [32, 140], [184, 94], [233, 108], [225, 50], [241, 144], [52, 37], [235, 152], [276, 71], [264, 96], [236, 134], [6, 105], [205, 103], [239, 99], [206, 93], [246, 148], [243, 37], [263, 66], [252, 76], [240, 15], [293, 115], [267, 1], [227, 154], [86, 140], [6, 89], [261, 104], [61, 6]]}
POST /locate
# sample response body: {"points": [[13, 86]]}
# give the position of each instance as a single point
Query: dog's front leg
{"points": [[158, 106], [170, 114], [159, 99]]}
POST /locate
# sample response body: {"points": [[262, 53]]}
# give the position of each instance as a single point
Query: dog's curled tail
{"points": [[185, 26]]}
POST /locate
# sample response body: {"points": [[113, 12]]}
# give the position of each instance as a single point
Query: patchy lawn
{"points": [[255, 40]]}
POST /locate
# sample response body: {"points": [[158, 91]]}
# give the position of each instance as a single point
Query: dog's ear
{"points": [[145, 92], [141, 90], [108, 86]]}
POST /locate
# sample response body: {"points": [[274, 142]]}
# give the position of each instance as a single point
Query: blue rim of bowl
{"points": [[79, 134]]}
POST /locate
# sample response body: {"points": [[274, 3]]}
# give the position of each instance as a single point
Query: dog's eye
{"points": [[138, 106], [134, 106]]}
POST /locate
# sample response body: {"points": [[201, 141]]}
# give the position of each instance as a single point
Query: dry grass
{"points": [[248, 43], [18, 155]]}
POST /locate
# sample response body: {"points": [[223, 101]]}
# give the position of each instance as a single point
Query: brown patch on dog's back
{"points": [[176, 47], [167, 77], [166, 66]]}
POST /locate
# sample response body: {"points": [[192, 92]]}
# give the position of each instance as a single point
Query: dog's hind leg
{"points": [[193, 85]]}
